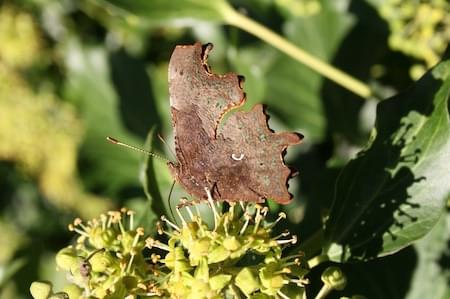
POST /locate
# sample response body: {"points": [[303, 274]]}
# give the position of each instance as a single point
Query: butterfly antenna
{"points": [[170, 197], [115, 141], [165, 143]]}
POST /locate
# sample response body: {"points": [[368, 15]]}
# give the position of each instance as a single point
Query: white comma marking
{"points": [[236, 158]]}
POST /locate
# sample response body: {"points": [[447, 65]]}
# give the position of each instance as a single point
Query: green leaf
{"points": [[155, 178], [253, 63], [90, 88], [432, 273], [132, 84], [159, 185], [160, 87], [163, 10], [294, 90], [7, 271], [393, 193]]}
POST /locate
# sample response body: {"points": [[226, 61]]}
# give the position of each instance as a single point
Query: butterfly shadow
{"points": [[385, 211], [375, 206]]}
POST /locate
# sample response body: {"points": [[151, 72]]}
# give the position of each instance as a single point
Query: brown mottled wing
{"points": [[243, 160], [198, 100], [257, 152], [193, 89]]}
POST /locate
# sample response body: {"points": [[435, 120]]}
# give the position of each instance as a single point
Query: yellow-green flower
{"points": [[420, 29], [41, 134], [20, 38], [212, 262], [238, 255]]}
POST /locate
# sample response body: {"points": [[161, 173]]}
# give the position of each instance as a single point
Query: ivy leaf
{"points": [[163, 10], [155, 178], [393, 193], [163, 194], [294, 90], [90, 88], [9, 270], [431, 277]]}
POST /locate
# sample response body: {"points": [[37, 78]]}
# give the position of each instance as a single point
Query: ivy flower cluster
{"points": [[237, 257], [420, 29], [107, 260]]}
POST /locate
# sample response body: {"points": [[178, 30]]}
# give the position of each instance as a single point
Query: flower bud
{"points": [[189, 232], [176, 260], [67, 258], [59, 295], [271, 279], [73, 291], [101, 261], [231, 243], [41, 289], [218, 254], [334, 278], [247, 281], [199, 249], [202, 270], [100, 238], [127, 242], [199, 289], [218, 282]]}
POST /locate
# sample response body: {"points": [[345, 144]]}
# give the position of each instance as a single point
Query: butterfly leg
{"points": [[261, 197], [184, 202], [214, 189], [213, 206]]}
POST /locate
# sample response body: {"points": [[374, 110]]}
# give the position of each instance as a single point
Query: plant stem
{"points": [[324, 291], [317, 260], [232, 17], [313, 244]]}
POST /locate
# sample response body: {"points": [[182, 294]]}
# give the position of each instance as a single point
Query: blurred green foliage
{"points": [[73, 72], [420, 29]]}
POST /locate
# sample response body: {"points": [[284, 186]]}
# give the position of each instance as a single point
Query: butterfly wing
{"points": [[196, 91], [255, 158], [241, 160]]}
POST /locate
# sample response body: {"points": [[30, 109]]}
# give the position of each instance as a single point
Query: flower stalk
{"points": [[234, 18]]}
